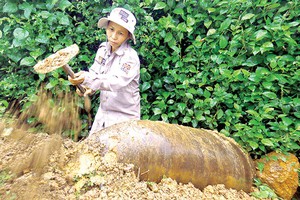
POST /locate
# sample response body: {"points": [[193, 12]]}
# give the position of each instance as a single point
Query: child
{"points": [[115, 72]]}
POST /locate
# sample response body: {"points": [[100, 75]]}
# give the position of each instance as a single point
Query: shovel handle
{"points": [[70, 72], [87, 100]]}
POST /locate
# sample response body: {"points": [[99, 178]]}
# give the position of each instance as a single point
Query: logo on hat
{"points": [[124, 15]]}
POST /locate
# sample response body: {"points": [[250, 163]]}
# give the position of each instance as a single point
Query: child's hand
{"points": [[87, 92], [78, 79]]}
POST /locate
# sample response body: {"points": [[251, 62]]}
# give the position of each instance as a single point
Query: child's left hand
{"points": [[78, 79], [87, 92]]}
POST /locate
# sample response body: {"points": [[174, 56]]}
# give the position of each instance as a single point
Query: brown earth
{"points": [[42, 166]]}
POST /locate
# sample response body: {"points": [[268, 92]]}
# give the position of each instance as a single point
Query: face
{"points": [[116, 35]]}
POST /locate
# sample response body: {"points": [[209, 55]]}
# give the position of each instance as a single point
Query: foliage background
{"points": [[232, 67]]}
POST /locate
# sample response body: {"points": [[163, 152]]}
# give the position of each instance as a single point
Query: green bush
{"points": [[32, 31], [232, 67]]}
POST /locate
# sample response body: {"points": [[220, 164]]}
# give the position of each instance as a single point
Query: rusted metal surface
{"points": [[185, 154]]}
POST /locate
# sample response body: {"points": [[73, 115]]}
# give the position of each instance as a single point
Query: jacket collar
{"points": [[120, 50]]}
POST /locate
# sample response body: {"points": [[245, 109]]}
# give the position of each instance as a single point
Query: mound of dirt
{"points": [[42, 166]]}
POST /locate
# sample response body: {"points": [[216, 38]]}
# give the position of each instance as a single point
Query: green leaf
{"points": [[45, 14], [171, 115], [267, 142], [253, 145], [220, 114], [51, 3], [287, 58], [182, 27], [27, 61], [267, 46], [294, 24], [213, 102], [294, 145], [225, 24], [268, 85], [190, 21], [247, 16], [210, 10], [296, 101], [270, 95], [223, 42], [186, 119], [297, 114], [199, 116], [290, 41], [167, 22], [211, 31], [10, 7], [261, 34], [55, 74], [181, 107], [179, 11], [164, 117], [157, 83], [286, 108], [57, 47], [253, 112], [168, 37], [145, 86], [156, 111], [207, 23], [27, 9], [63, 4], [262, 71], [159, 5], [64, 20], [252, 61], [274, 5], [261, 194], [51, 84], [36, 53], [20, 33], [206, 94], [42, 38], [52, 19], [237, 106], [189, 95], [17, 42], [260, 166], [14, 57], [287, 121]]}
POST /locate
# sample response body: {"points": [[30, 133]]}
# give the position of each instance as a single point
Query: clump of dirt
{"points": [[50, 166], [56, 115]]}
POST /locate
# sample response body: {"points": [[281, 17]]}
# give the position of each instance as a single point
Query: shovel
{"points": [[60, 59]]}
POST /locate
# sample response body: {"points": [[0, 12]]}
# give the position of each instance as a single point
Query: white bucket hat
{"points": [[122, 17]]}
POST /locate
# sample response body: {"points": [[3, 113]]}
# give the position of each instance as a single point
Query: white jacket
{"points": [[117, 77]]}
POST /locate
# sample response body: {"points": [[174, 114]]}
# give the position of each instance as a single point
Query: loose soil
{"points": [[46, 165], [42, 166]]}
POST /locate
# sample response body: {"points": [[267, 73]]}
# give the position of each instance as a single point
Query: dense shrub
{"points": [[32, 31], [210, 64]]}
